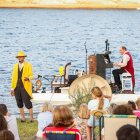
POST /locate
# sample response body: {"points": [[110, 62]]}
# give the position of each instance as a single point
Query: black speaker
{"points": [[71, 79]]}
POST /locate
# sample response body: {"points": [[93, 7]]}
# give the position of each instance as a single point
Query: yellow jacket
{"points": [[27, 72]]}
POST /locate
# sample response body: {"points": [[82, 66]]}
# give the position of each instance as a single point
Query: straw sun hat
{"points": [[21, 54]]}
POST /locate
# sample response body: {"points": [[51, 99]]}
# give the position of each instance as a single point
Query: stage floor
{"points": [[63, 98]]}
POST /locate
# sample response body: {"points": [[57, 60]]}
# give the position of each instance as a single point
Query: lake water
{"points": [[52, 37]]}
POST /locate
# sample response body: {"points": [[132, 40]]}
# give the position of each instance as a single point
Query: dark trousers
{"points": [[116, 74], [22, 96]]}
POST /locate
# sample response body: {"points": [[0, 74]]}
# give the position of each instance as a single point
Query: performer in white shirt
{"points": [[126, 65]]}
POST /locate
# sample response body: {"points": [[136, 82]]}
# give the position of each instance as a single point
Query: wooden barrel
{"points": [[92, 64]]}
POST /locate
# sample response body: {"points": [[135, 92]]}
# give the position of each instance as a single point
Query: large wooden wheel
{"points": [[87, 82]]}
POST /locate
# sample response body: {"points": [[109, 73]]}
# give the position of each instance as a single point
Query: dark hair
{"points": [[132, 104], [123, 110], [3, 123], [128, 132], [124, 48], [3, 109], [6, 135]]}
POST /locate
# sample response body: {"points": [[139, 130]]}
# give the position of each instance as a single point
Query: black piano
{"points": [[100, 63], [103, 63]]}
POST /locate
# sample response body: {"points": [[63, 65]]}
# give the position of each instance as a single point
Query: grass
{"points": [[27, 130]]}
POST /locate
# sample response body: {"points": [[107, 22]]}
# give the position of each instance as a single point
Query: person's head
{"points": [[62, 116], [3, 122], [6, 135], [132, 104], [138, 103], [111, 108], [128, 132], [47, 107], [122, 50], [83, 111], [3, 109], [21, 56], [123, 110], [97, 94]]}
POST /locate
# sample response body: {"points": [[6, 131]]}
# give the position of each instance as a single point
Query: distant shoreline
{"points": [[71, 7]]}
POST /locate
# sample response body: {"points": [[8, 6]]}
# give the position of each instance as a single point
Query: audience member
{"points": [[81, 120], [6, 135], [97, 103], [44, 118], [123, 110], [3, 123], [128, 132], [111, 108], [137, 111], [132, 104], [11, 120], [62, 121], [138, 103]]}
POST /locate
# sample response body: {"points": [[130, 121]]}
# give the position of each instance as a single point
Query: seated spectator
{"points": [[137, 111], [98, 102], [3, 123], [11, 121], [138, 103], [62, 121], [132, 104], [111, 108], [120, 110], [123, 110], [128, 132], [6, 135], [81, 120], [44, 118]]}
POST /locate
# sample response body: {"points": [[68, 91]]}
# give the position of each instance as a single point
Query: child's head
{"points": [[83, 111], [6, 135], [62, 116], [97, 94], [138, 103], [128, 132], [3, 122], [111, 108], [3, 109], [47, 107], [123, 110], [132, 104]]}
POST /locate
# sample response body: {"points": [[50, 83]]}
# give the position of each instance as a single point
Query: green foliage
{"points": [[81, 95], [27, 130]]}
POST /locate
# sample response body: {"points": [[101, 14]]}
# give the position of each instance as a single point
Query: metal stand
{"points": [[86, 55]]}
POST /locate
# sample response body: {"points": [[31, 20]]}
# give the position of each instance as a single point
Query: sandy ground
{"points": [[86, 5]]}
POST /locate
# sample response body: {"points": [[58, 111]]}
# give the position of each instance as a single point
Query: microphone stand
{"points": [[86, 55]]}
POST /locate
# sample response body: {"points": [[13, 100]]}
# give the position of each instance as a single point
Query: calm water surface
{"points": [[52, 38]]}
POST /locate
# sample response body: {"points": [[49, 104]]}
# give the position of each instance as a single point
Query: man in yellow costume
{"points": [[21, 86]]}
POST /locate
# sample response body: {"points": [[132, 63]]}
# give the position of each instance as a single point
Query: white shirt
{"points": [[12, 126], [21, 66], [44, 119], [125, 60], [93, 105]]}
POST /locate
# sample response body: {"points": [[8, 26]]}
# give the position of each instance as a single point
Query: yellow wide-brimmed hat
{"points": [[21, 53]]}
